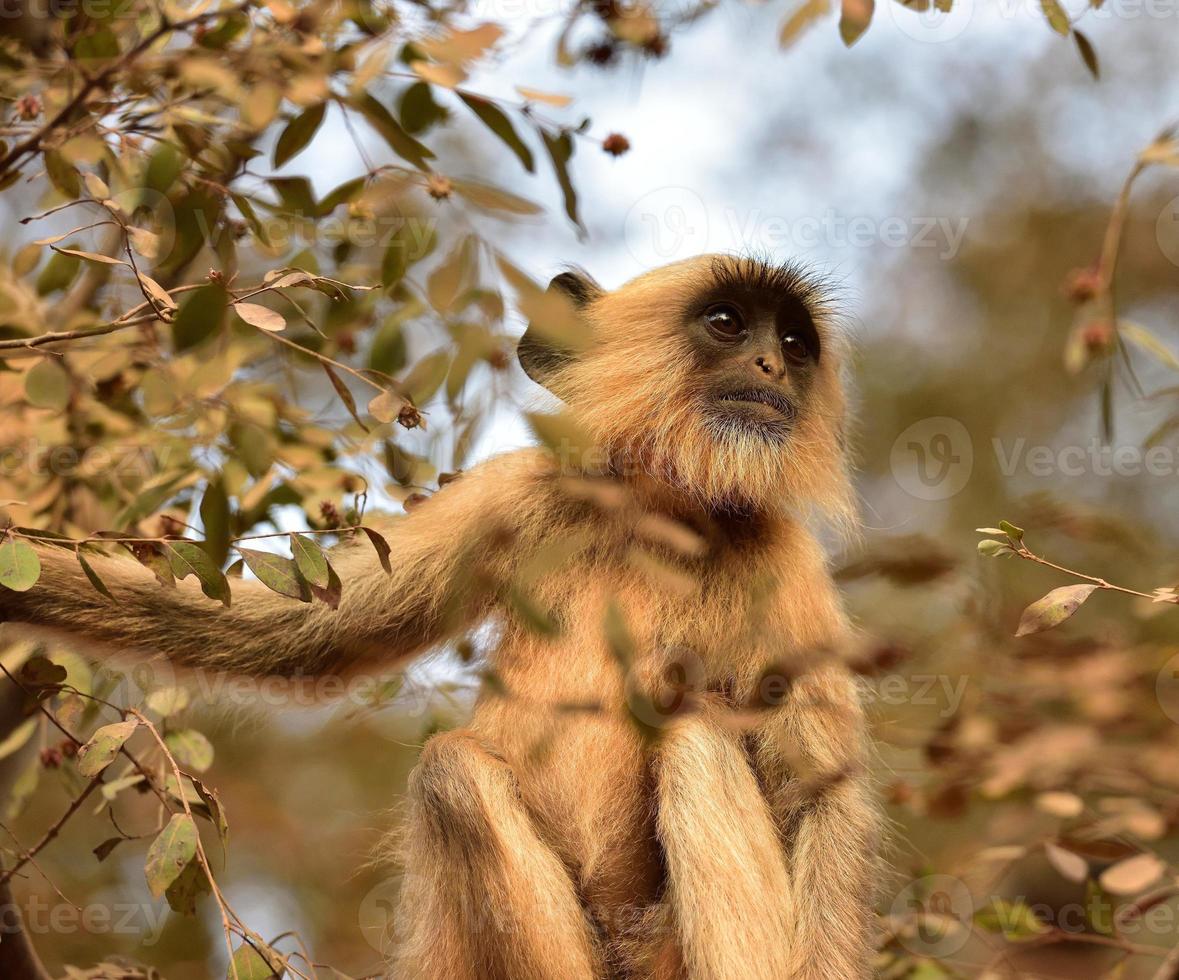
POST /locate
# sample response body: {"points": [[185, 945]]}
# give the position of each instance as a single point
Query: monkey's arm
{"points": [[438, 551]]}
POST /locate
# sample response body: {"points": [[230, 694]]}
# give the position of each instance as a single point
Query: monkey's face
{"points": [[718, 375]]}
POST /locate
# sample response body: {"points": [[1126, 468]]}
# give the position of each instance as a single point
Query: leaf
{"points": [[88, 256], [427, 375], [102, 747], [103, 850], [260, 316], [1014, 920], [446, 76], [215, 518], [497, 121], [277, 573], [560, 150], [92, 576], [189, 558], [201, 316], [1088, 54], [216, 812], [1143, 338], [41, 672], [803, 18], [330, 593], [311, 560], [993, 549], [47, 385], [400, 142], [548, 98], [189, 885], [1053, 609], [1132, 875], [298, 133], [170, 853], [854, 18], [167, 700], [1013, 532], [382, 548], [96, 187], [494, 198], [19, 565], [386, 406], [1057, 18], [249, 963], [344, 392], [1071, 866], [190, 748], [157, 292]]}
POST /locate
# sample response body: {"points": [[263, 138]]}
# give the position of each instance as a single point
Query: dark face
{"points": [[759, 350]]}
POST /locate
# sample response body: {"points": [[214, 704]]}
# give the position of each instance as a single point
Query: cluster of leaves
{"points": [[855, 17]]}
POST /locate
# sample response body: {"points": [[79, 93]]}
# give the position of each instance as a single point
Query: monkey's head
{"points": [[718, 375]]}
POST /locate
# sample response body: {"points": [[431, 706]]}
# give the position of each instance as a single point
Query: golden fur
{"points": [[642, 801]]}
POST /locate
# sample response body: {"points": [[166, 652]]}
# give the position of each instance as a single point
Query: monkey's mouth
{"points": [[769, 403]]}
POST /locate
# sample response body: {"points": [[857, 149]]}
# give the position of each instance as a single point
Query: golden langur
{"points": [[670, 783]]}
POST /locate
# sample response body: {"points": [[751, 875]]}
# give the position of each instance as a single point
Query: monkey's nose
{"points": [[768, 366]]}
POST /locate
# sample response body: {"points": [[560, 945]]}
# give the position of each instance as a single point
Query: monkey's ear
{"points": [[548, 343]]}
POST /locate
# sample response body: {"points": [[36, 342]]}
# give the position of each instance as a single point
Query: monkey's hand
{"points": [[443, 553], [811, 754]]}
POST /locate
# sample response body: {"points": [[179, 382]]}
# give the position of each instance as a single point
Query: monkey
{"points": [[668, 781]]}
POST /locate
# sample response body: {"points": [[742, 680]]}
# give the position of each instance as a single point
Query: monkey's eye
{"points": [[724, 321], [796, 348]]}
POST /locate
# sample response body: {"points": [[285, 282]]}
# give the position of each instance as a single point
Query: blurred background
{"points": [[954, 175]]}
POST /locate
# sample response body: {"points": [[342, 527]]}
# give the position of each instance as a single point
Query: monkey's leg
{"points": [[811, 755], [484, 898], [727, 882]]}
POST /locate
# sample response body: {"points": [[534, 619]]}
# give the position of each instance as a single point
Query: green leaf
{"points": [[426, 377], [19, 565], [1013, 532], [331, 592], [310, 560], [249, 963], [298, 133], [47, 385], [400, 142], [165, 165], [189, 885], [214, 513], [190, 748], [92, 576], [1053, 609], [494, 119], [201, 315], [993, 549], [167, 700], [1014, 920], [189, 558], [170, 853], [560, 149], [277, 573], [102, 747]]}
